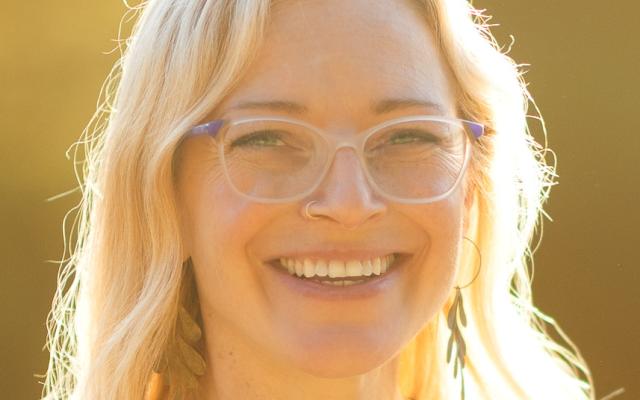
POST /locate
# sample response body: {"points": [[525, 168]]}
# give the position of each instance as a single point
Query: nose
{"points": [[344, 195]]}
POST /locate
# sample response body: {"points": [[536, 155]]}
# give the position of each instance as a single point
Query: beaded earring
{"points": [[457, 310]]}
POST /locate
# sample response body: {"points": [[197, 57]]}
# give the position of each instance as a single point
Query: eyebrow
{"points": [[388, 105], [275, 105], [380, 107]]}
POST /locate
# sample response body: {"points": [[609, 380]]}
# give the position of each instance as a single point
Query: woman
{"points": [[308, 200]]}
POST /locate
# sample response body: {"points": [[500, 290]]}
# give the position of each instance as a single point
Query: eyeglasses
{"points": [[416, 159]]}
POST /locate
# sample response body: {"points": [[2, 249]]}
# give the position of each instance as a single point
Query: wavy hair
{"points": [[108, 324]]}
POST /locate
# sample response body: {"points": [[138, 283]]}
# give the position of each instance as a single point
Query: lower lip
{"points": [[312, 289]]}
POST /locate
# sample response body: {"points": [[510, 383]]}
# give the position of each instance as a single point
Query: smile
{"points": [[337, 272]]}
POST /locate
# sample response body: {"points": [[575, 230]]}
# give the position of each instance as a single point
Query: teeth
{"points": [[376, 266], [322, 269], [367, 268], [336, 269], [308, 268], [299, 268], [354, 268]]}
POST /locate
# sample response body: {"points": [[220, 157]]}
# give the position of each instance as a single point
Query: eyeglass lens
{"points": [[277, 159]]}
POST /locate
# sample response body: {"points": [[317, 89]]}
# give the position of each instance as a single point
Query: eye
{"points": [[413, 136], [265, 138]]}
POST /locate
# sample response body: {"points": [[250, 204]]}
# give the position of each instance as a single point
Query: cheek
{"points": [[214, 213], [219, 225], [433, 275]]}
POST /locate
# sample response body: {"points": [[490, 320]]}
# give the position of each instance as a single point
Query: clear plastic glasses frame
{"points": [[218, 128]]}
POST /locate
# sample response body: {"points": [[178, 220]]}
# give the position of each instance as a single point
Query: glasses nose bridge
{"points": [[346, 144], [360, 163], [353, 141]]}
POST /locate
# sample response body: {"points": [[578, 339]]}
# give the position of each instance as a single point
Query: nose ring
{"points": [[306, 210]]}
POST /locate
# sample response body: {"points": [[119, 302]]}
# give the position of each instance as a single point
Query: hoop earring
{"points": [[457, 310], [181, 363], [306, 211]]}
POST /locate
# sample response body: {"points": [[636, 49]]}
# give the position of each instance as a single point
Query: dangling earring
{"points": [[181, 360], [457, 310]]}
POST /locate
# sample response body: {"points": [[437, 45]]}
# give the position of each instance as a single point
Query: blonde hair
{"points": [[118, 294]]}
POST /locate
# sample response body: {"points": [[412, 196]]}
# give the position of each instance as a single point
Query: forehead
{"points": [[340, 56]]}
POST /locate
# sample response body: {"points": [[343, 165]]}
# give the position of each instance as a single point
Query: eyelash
{"points": [[250, 138], [254, 138], [416, 134]]}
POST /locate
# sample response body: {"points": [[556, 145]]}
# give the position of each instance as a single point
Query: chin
{"points": [[341, 358]]}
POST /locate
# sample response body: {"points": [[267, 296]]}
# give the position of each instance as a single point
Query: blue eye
{"points": [[266, 138]]}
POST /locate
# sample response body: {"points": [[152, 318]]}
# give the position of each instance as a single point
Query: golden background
{"points": [[585, 61]]}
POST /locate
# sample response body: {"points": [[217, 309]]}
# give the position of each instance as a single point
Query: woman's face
{"points": [[340, 60]]}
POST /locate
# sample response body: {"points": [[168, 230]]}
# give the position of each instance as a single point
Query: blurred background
{"points": [[584, 59]]}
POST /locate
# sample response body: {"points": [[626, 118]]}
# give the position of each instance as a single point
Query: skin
{"points": [[264, 342]]}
